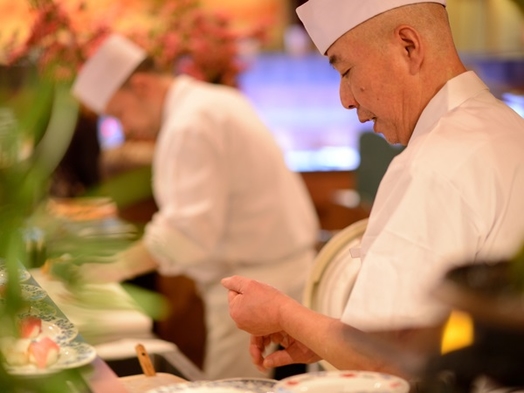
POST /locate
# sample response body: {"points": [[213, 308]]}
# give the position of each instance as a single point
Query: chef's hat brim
{"points": [[105, 72], [327, 20]]}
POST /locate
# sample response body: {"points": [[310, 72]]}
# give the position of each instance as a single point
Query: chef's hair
{"points": [[148, 65]]}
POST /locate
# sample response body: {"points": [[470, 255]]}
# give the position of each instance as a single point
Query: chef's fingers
{"points": [[234, 283], [256, 350], [231, 295], [277, 359]]}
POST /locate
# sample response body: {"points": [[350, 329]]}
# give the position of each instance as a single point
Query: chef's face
{"points": [[373, 81], [137, 115]]}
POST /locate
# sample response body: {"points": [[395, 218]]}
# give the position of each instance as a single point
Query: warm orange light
{"points": [[127, 16], [458, 332], [16, 18], [247, 14]]}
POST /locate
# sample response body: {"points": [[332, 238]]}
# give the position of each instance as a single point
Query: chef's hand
{"points": [[104, 272], [255, 307], [132, 262], [70, 273], [293, 351], [109, 270]]}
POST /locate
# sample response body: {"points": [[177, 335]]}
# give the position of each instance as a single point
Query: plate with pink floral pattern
{"points": [[343, 382]]}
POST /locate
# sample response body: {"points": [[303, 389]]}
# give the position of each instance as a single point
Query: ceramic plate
{"points": [[255, 385], [30, 293], [342, 382], [72, 355], [23, 274], [39, 309], [60, 330], [199, 387]]}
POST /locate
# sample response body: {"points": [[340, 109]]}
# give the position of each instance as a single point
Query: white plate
{"points": [[199, 387], [60, 330], [334, 272], [23, 274], [72, 355], [333, 275], [39, 309], [342, 382], [255, 385], [30, 293]]}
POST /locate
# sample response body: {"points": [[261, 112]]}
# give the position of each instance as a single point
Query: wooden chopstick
{"points": [[145, 361]]}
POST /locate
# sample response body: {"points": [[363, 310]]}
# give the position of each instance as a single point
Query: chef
{"points": [[227, 202], [453, 196]]}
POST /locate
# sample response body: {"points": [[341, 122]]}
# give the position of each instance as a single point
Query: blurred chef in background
{"points": [[228, 204]]}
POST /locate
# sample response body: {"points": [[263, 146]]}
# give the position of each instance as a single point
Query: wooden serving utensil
{"points": [[145, 361], [150, 379]]}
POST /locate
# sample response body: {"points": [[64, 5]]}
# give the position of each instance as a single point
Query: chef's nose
{"points": [[346, 96]]}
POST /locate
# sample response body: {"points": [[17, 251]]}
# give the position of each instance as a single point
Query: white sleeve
{"points": [[191, 190], [420, 228]]}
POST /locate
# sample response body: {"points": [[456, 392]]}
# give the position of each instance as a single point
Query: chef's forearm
{"points": [[137, 260]]}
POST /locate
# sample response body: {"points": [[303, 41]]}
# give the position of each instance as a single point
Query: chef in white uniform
{"points": [[228, 204], [453, 196]]}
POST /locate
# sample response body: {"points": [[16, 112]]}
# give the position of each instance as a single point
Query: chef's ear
{"points": [[412, 47]]}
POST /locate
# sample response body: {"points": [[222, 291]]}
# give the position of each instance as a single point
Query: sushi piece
{"points": [[43, 352], [15, 350], [30, 327]]}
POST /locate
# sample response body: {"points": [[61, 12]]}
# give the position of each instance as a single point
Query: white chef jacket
{"points": [[228, 204], [454, 195]]}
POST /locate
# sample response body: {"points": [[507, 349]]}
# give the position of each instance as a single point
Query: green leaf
{"points": [[151, 303]]}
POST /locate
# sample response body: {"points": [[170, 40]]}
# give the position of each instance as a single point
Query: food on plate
{"points": [[30, 327], [15, 350], [82, 209], [43, 352], [31, 346]]}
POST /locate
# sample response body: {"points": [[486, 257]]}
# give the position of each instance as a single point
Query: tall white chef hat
{"points": [[105, 72], [328, 20]]}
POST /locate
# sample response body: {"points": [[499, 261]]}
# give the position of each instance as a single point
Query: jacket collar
{"points": [[454, 93]]}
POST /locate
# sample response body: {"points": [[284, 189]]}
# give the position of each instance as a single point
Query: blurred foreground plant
{"points": [[37, 119], [37, 115]]}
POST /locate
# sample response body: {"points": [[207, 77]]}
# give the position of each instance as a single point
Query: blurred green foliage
{"points": [[37, 121]]}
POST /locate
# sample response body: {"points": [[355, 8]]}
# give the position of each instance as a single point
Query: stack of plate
{"points": [[343, 382], [315, 382], [234, 385]]}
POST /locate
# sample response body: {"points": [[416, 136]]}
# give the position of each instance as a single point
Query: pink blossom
{"points": [[186, 38]]}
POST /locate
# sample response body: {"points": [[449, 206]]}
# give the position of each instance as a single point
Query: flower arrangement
{"points": [[57, 46], [182, 38], [192, 41]]}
